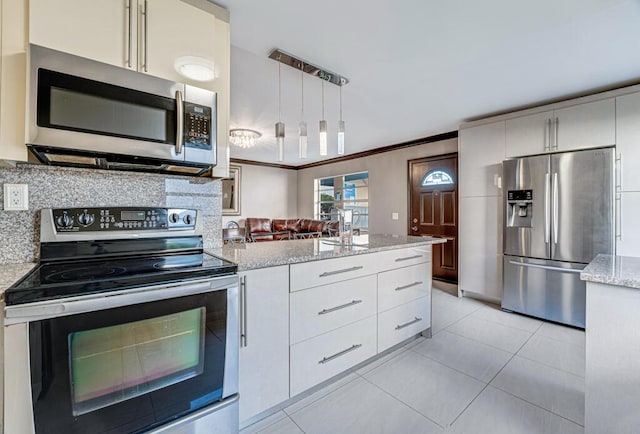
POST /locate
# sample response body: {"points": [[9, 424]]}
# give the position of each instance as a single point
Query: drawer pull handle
{"points": [[341, 353], [400, 288], [346, 270], [342, 306], [401, 326], [408, 258]]}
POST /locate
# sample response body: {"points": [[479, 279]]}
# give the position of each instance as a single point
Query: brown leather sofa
{"points": [[265, 229]]}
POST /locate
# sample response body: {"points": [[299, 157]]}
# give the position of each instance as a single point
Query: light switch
{"points": [[394, 216]]}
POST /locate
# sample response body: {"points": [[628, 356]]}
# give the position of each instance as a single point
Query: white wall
{"points": [[388, 182], [266, 192]]}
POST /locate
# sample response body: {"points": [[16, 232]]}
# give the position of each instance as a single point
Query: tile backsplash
{"points": [[57, 187]]}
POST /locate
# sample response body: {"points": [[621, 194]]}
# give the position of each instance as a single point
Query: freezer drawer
{"points": [[545, 289]]}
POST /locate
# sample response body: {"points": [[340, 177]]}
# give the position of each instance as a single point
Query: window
{"points": [[437, 177], [343, 192]]}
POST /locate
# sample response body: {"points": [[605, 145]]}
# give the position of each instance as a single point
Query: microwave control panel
{"points": [[122, 219], [197, 126]]}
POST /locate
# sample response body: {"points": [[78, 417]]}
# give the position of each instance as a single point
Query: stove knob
{"points": [[65, 221], [188, 219], [174, 218], [85, 219]]}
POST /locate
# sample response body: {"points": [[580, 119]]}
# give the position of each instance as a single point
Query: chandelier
{"points": [[244, 138]]}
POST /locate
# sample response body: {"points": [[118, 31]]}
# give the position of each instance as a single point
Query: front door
{"points": [[434, 209]]}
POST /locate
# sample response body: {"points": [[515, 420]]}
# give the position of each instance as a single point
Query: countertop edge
{"points": [[296, 259], [613, 270], [11, 273]]}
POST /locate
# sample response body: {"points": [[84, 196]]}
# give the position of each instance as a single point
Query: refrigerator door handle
{"points": [[545, 267], [555, 208], [547, 209]]}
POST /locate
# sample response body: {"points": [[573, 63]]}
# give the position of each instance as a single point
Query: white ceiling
{"points": [[419, 67]]}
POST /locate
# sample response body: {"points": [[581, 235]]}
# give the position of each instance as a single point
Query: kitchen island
{"points": [[612, 377], [313, 309]]}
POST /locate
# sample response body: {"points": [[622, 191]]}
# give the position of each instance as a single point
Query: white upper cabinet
{"points": [[587, 125], [145, 35], [481, 151], [96, 29], [528, 135], [628, 141]]}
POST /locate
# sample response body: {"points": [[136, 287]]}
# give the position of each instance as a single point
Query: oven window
{"points": [[85, 112], [111, 364]]}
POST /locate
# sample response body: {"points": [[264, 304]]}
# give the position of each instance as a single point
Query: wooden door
{"points": [[434, 209]]}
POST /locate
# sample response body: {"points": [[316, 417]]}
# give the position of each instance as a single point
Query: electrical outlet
{"points": [[394, 216], [16, 197]]}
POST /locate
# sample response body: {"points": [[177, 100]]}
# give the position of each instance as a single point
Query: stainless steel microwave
{"points": [[84, 113]]}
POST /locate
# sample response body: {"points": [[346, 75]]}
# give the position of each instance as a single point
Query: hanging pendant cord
{"points": [[322, 98], [279, 93]]}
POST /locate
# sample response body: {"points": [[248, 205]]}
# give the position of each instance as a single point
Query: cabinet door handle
{"points": [[345, 270], [179, 122], [130, 31], [342, 306], [341, 353], [146, 36], [618, 173], [619, 216], [407, 324], [243, 311], [400, 288], [408, 258], [547, 146], [555, 143]]}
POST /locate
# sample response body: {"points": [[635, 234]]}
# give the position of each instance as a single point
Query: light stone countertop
{"points": [[613, 270], [265, 254], [11, 273]]}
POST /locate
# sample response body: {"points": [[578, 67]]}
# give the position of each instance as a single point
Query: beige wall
{"points": [[388, 180], [266, 192]]}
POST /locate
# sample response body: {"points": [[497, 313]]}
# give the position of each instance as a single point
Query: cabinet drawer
{"points": [[402, 285], [316, 273], [392, 259], [324, 308], [324, 356], [402, 322]]}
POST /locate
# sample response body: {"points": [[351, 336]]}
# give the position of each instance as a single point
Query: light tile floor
{"points": [[484, 371]]}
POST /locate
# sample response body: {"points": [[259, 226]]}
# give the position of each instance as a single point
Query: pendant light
{"points": [[280, 124], [302, 127], [323, 127], [341, 125]]}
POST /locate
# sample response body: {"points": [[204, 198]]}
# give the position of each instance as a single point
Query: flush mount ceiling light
{"points": [[244, 138], [323, 74], [195, 68]]}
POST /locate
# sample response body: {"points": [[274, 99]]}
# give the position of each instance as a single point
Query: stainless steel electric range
{"points": [[125, 326]]}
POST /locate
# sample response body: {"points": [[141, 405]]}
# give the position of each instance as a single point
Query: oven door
{"points": [[132, 362]]}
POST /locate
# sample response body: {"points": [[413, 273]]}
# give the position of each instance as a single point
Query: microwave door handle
{"points": [[179, 122]]}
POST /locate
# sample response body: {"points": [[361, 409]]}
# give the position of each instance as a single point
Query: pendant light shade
{"points": [[280, 124], [323, 127], [302, 126]]}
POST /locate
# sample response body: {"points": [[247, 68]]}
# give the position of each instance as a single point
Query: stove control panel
{"points": [[123, 219]]}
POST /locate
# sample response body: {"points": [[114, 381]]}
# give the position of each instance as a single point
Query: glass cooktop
{"points": [[68, 278]]}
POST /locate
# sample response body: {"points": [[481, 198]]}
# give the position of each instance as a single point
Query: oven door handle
{"points": [[37, 311]]}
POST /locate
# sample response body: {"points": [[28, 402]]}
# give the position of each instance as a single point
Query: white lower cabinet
{"points": [[325, 356], [403, 285], [264, 352], [402, 322], [324, 308]]}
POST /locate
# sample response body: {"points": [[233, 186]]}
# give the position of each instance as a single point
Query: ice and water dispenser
{"points": [[519, 208]]}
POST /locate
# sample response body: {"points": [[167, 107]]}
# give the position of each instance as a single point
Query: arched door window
{"points": [[436, 178]]}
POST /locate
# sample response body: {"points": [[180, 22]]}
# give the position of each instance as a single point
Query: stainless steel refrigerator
{"points": [[558, 216]]}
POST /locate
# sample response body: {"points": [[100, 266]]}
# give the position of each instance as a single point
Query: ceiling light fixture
{"points": [[324, 75], [196, 68], [323, 127], [244, 138], [280, 124], [302, 127]]}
